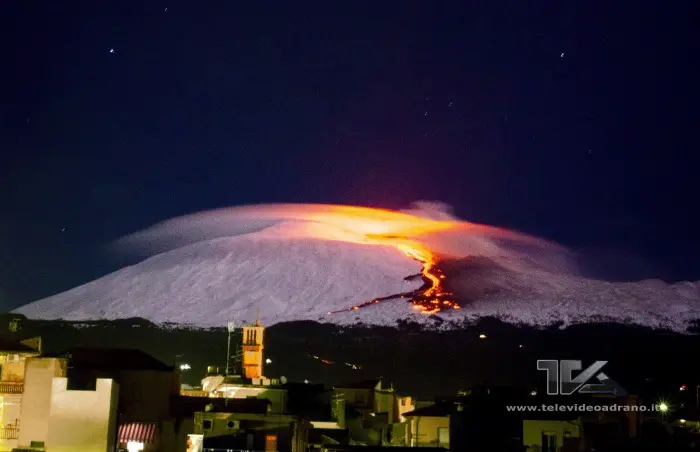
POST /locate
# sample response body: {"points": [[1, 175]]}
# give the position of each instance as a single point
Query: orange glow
{"points": [[431, 300]]}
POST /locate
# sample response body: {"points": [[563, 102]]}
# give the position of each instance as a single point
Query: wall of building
{"points": [[12, 366], [83, 420], [277, 396], [399, 434], [360, 398], [403, 405], [36, 403], [423, 430], [248, 428], [182, 428], [144, 395], [10, 405], [533, 429], [384, 402]]}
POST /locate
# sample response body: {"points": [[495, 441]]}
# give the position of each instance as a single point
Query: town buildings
{"points": [[91, 399], [13, 359]]}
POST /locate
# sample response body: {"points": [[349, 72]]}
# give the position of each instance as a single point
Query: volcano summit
{"points": [[344, 264]]}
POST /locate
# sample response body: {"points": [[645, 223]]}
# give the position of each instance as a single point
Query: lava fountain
{"points": [[421, 238]]}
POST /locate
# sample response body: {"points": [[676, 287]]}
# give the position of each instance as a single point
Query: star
{"points": [[111, 51], [425, 114], [562, 55], [449, 104], [63, 229], [166, 10]]}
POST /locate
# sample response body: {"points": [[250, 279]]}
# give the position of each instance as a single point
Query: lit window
{"points": [[134, 446]]}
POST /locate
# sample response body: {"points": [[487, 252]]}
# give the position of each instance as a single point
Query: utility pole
{"points": [[231, 328]]}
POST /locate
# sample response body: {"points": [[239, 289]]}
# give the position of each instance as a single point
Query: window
{"points": [[443, 437], [207, 424], [549, 442], [271, 443]]}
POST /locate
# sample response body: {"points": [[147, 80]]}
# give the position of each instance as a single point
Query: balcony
{"points": [[9, 433], [11, 387]]}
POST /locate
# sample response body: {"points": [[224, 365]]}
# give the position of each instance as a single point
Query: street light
{"points": [[663, 407], [268, 361], [185, 367]]}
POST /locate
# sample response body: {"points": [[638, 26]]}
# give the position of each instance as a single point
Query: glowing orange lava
{"points": [[434, 298]]}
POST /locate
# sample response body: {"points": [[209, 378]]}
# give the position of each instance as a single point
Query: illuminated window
{"points": [[134, 446], [271, 443]]}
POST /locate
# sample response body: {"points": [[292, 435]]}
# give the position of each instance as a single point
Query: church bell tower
{"points": [[253, 350]]}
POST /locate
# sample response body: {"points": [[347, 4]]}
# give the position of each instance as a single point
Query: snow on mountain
{"points": [[304, 270], [287, 276], [540, 298]]}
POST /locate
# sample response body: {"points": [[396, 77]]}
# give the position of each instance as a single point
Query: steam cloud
{"points": [[430, 224]]}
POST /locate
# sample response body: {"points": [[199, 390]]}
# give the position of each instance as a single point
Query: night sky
{"points": [[575, 121]]}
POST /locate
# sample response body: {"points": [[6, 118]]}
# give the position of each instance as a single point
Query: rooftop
{"points": [[363, 384], [113, 359], [184, 406], [8, 345], [437, 410]]}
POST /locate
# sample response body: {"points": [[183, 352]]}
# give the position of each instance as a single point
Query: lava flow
{"points": [[433, 299], [430, 298]]}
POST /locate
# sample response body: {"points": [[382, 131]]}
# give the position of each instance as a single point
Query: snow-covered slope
{"points": [[541, 298], [212, 282], [289, 272]]}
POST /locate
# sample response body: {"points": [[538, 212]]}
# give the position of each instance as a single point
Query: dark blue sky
{"points": [[228, 103]]}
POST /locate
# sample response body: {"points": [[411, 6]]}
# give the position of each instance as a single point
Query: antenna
{"points": [[231, 328]]}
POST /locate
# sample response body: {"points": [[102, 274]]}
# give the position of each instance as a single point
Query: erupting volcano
{"points": [[347, 264]]}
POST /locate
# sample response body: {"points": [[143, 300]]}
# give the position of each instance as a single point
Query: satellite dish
{"points": [[283, 380]]}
